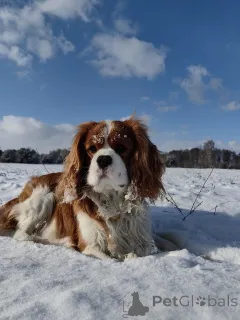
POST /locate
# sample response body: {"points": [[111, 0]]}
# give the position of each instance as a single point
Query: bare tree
{"points": [[208, 152]]}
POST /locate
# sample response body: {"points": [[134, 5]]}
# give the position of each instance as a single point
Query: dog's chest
{"points": [[124, 227], [115, 235], [127, 235]]}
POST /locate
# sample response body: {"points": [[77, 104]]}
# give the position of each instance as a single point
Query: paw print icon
{"points": [[201, 301]]}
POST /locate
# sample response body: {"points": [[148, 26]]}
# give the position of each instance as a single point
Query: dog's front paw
{"points": [[153, 248], [130, 255]]}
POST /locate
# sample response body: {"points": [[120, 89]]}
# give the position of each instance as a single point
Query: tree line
{"points": [[205, 156], [27, 155]]}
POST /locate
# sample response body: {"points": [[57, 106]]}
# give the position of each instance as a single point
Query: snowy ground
{"points": [[47, 282]]}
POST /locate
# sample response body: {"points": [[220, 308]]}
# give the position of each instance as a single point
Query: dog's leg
{"points": [[23, 236], [93, 235], [130, 256], [32, 213], [153, 248]]}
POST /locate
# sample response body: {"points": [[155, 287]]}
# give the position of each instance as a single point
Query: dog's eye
{"points": [[92, 149], [120, 148]]}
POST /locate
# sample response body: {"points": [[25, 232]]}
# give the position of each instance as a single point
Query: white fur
{"points": [[132, 233], [130, 256], [23, 236], [94, 236], [115, 177], [69, 195], [129, 225], [91, 232], [108, 129], [35, 211], [34, 215], [50, 232]]}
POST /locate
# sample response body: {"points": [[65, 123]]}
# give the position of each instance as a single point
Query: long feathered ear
{"points": [[146, 166], [73, 174]]}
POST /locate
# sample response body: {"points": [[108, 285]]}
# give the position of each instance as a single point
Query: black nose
{"points": [[104, 161]]}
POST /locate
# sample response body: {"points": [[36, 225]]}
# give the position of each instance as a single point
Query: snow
{"points": [[50, 282]]}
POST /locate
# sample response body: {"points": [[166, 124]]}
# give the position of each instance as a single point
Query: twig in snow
{"points": [[195, 208], [221, 204], [43, 163], [45, 167], [193, 205], [172, 201]]}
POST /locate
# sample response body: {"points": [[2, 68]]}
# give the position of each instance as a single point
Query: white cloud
{"points": [[166, 108], [23, 74], [196, 84], [234, 145], [43, 48], [121, 56], [232, 106], [67, 9], [65, 45], [166, 142], [215, 83], [17, 132], [26, 33], [18, 23], [14, 53], [10, 37], [146, 118], [145, 98], [22, 59], [125, 26], [125, 118]]}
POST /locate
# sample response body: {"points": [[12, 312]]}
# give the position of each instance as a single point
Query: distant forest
{"points": [[27, 155], [205, 156]]}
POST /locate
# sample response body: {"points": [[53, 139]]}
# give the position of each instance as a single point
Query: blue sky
{"points": [[174, 63]]}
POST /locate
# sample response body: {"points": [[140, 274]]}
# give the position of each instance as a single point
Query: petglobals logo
{"points": [[132, 305], [192, 301], [135, 304]]}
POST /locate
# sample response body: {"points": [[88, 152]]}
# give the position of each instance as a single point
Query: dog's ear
{"points": [[146, 165], [74, 163]]}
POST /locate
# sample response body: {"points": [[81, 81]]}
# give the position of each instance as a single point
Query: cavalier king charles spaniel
{"points": [[98, 204]]}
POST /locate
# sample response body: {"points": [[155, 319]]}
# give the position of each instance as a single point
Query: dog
{"points": [[137, 308], [98, 204]]}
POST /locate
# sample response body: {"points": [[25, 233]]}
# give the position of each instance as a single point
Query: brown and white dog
{"points": [[98, 203]]}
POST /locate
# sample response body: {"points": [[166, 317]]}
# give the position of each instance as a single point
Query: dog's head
{"points": [[112, 155]]}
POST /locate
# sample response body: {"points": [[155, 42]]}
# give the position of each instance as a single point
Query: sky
{"points": [[173, 63]]}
